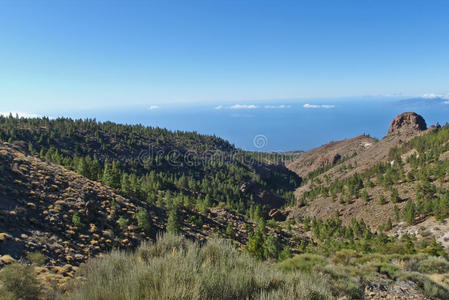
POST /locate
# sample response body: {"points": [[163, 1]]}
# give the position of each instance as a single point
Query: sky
{"points": [[62, 55]]}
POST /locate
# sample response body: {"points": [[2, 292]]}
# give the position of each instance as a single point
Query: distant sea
{"points": [[279, 126]]}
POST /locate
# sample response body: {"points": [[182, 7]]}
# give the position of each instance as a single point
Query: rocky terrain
{"points": [[68, 218]]}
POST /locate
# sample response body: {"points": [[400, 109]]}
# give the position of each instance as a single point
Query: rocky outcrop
{"points": [[408, 122], [329, 160]]}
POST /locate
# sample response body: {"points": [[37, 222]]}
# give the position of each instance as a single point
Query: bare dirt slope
{"points": [[329, 154]]}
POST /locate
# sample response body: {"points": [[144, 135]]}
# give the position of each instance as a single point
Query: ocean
{"points": [[277, 126]]}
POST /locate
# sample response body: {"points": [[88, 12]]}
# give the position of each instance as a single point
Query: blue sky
{"points": [[96, 54]]}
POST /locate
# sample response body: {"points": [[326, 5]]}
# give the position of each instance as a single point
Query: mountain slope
{"points": [[403, 177], [328, 155]]}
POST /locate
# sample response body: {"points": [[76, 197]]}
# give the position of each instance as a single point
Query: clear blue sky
{"points": [[91, 54]]}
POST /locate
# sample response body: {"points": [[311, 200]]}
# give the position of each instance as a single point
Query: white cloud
{"points": [[446, 102], [20, 114], [307, 105], [277, 106], [434, 96], [326, 106], [153, 107], [243, 106], [219, 107]]}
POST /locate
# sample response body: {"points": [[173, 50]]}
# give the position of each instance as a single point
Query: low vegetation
{"points": [[176, 268], [173, 268]]}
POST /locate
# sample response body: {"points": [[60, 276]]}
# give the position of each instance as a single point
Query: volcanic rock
{"points": [[408, 122]]}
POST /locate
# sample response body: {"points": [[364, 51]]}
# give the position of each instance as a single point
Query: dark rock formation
{"points": [[329, 160], [408, 122]]}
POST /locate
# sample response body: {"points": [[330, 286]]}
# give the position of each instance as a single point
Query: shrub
{"points": [[341, 283], [18, 282], [303, 262], [390, 270], [36, 258], [299, 286], [345, 256], [286, 253], [433, 265], [173, 268], [76, 220], [123, 223]]}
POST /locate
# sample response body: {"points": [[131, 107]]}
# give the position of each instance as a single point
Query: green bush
{"points": [[76, 220], [36, 258], [123, 223], [345, 256], [286, 253], [299, 286], [390, 270], [18, 281], [433, 265], [341, 282], [303, 263]]}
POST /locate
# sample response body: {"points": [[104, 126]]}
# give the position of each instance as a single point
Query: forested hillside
{"points": [[200, 171]]}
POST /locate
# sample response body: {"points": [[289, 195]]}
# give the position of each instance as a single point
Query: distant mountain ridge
{"points": [[425, 101]]}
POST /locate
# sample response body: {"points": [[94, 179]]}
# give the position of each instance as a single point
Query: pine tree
{"points": [[107, 177], [382, 200], [229, 230], [271, 247], [143, 221], [173, 224], [395, 196], [365, 196], [409, 212], [82, 167], [396, 213], [255, 245]]}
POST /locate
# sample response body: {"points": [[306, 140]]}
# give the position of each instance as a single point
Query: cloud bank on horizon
{"points": [[435, 96], [252, 106], [326, 106]]}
